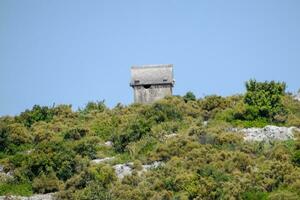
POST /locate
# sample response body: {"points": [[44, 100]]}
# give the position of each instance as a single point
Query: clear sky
{"points": [[72, 52]]}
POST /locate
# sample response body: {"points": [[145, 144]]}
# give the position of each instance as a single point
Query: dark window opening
{"points": [[147, 86], [136, 81], [165, 80]]}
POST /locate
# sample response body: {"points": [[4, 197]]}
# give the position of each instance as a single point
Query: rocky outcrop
{"points": [[102, 160], [123, 170], [5, 176], [33, 197], [170, 135], [269, 133], [126, 169]]}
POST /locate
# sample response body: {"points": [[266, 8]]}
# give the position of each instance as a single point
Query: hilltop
{"points": [[180, 147]]}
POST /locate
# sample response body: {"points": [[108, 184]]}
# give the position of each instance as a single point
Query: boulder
{"points": [[123, 170]]}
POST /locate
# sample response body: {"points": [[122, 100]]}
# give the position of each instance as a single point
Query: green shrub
{"points": [[212, 104], [87, 147], [76, 133], [283, 195], [104, 126], [18, 134], [296, 158], [202, 161], [136, 130], [189, 96], [21, 189], [162, 111], [254, 195], [98, 106], [264, 99], [210, 171], [37, 113], [46, 183]]}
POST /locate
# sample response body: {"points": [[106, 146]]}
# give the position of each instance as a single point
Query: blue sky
{"points": [[72, 52]]}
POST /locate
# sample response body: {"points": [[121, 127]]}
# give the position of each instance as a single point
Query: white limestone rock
{"points": [[170, 135], [5, 176], [268, 133], [97, 161], [126, 169], [123, 170], [33, 197], [152, 166], [108, 143]]}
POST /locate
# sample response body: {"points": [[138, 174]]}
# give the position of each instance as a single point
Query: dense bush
{"points": [[189, 96], [46, 183], [98, 106], [264, 100], [213, 104], [50, 149], [22, 189], [264, 103], [76, 133], [37, 113], [135, 131]]}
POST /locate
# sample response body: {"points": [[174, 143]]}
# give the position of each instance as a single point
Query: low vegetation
{"points": [[49, 149]]}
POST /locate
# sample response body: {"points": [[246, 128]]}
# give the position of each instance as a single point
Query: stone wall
{"points": [[144, 94]]}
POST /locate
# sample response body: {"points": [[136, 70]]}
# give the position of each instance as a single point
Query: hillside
{"points": [[180, 147]]}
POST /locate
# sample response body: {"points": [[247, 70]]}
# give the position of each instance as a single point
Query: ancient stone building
{"points": [[151, 82]]}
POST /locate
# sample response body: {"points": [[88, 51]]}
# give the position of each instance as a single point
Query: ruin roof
{"points": [[151, 74]]}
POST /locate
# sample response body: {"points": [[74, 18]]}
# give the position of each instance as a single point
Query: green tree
{"points": [[37, 113], [189, 96], [95, 106], [264, 100]]}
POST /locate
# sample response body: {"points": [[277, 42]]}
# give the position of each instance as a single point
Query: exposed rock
{"points": [[297, 96], [152, 166], [5, 176], [34, 197], [108, 143], [123, 170], [170, 135], [97, 161], [268, 133]]}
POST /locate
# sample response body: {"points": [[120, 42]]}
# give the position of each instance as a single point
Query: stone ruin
{"points": [[151, 82]]}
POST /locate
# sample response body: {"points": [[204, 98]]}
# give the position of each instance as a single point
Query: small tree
{"points": [[189, 96], [263, 100], [37, 113], [98, 106]]}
